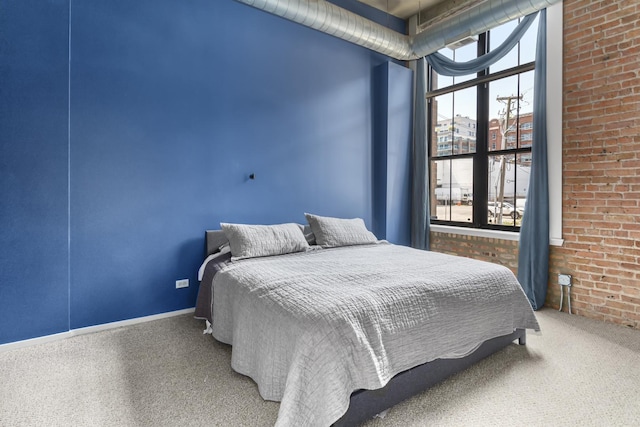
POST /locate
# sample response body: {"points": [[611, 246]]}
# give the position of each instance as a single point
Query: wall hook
{"points": [[252, 176]]}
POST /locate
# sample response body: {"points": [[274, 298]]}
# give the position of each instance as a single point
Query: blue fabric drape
{"points": [[420, 170], [447, 67], [533, 253]]}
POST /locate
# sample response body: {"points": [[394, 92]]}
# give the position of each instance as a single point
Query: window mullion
{"points": [[480, 160]]}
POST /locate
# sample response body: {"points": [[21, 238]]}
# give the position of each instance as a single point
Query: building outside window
{"points": [[481, 178]]}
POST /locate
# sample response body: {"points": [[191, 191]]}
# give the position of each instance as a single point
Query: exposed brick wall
{"points": [[601, 167], [503, 252]]}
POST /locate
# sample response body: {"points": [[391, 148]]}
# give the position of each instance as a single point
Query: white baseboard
{"points": [[90, 329]]}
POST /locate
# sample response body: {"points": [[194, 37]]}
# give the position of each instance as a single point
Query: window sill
{"points": [[490, 234]]}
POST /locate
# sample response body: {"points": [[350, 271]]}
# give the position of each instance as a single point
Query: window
{"points": [[480, 180]]}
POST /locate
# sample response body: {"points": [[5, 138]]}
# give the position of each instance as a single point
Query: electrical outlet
{"points": [[184, 283], [564, 279]]}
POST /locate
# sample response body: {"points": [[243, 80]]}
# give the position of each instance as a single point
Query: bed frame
{"points": [[365, 404]]}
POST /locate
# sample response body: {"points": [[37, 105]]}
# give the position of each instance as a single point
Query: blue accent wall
{"points": [[114, 164], [34, 274], [393, 111]]}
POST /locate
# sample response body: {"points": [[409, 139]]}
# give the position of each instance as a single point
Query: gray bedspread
{"points": [[311, 328]]}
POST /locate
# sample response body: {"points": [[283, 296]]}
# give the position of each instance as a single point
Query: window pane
{"points": [[497, 36], [442, 136], [528, 43], [523, 171], [501, 207], [454, 123], [443, 81], [523, 53], [525, 121], [464, 121], [440, 169], [464, 54], [526, 130], [504, 106], [453, 189]]}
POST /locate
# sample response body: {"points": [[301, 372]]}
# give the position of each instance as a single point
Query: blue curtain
{"points": [[533, 253], [447, 67], [420, 171]]}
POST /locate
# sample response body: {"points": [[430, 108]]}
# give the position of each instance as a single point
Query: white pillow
{"points": [[308, 234], [334, 232], [249, 241]]}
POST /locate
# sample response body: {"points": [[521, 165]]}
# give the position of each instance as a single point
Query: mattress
{"points": [[312, 327]]}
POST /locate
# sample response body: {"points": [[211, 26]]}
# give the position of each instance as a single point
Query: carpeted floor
{"points": [[166, 373]]}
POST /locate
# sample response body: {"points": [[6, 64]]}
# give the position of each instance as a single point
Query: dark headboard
{"points": [[213, 240]]}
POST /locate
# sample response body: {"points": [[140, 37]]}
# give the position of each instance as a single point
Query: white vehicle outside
{"points": [[453, 196], [507, 210]]}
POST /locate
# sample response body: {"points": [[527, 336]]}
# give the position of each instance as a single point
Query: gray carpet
{"points": [[166, 373]]}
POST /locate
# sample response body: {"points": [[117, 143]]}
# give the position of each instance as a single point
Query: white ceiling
{"points": [[401, 8]]}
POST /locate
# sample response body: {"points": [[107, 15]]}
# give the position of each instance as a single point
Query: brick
{"points": [[625, 306]]}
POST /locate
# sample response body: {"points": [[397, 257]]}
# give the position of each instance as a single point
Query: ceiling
{"points": [[428, 11], [401, 8]]}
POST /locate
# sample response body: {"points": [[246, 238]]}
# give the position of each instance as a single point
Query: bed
{"points": [[340, 332]]}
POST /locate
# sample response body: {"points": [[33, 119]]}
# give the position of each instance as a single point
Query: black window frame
{"points": [[482, 153]]}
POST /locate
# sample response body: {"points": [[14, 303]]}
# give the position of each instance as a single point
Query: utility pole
{"points": [[505, 127]]}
